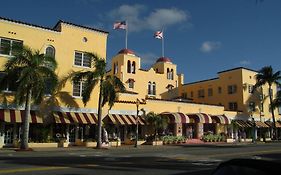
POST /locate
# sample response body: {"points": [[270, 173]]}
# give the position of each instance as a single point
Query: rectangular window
{"points": [[252, 106], [201, 93], [78, 88], [232, 89], [82, 59], [131, 84], [219, 90], [191, 94], [233, 106], [210, 92], [11, 84], [9, 46], [250, 89]]}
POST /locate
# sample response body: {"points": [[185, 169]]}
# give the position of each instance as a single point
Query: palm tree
{"points": [[267, 76], [157, 122], [34, 74], [108, 86], [277, 101]]}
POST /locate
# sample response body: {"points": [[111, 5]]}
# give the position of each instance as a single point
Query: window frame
{"points": [[232, 89], [10, 47], [82, 59], [81, 88]]}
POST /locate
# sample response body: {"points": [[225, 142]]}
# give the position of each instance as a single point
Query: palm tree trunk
{"points": [[25, 129], [99, 142], [272, 112]]}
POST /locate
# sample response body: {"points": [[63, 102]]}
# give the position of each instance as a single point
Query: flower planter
{"points": [[229, 140], [155, 143], [43, 145], [140, 142], [115, 143], [63, 144], [90, 144]]}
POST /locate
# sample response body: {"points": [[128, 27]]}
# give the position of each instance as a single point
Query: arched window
{"points": [[168, 73], [154, 88], [172, 74], [129, 66], [149, 88], [134, 67], [50, 51]]}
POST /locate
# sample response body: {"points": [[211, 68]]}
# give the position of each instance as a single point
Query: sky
{"points": [[202, 37]]}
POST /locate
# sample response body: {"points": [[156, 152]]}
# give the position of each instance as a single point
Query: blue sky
{"points": [[202, 37]]}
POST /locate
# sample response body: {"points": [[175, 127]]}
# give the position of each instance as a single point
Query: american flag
{"points": [[120, 25], [158, 34]]}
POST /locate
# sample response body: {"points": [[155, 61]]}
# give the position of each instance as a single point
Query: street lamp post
{"points": [[137, 123], [254, 129]]}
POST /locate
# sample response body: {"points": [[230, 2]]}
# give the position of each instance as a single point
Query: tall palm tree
{"points": [[277, 101], [267, 76], [34, 74], [108, 87], [157, 122]]}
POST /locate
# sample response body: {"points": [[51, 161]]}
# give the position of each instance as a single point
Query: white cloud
{"points": [[165, 17], [155, 20], [244, 62], [209, 46]]}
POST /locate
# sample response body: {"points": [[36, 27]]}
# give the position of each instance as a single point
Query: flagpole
{"points": [[126, 38], [163, 43]]}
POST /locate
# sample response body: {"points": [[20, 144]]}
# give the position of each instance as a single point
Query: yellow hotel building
{"points": [[160, 89]]}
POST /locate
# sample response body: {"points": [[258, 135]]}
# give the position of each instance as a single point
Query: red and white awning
{"points": [[121, 119], [176, 117], [199, 118], [17, 116], [222, 119], [75, 118]]}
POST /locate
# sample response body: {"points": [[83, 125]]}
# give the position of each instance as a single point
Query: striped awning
{"points": [[242, 123], [176, 117], [75, 118], [121, 119], [277, 124], [260, 124], [199, 118], [222, 119], [17, 116]]}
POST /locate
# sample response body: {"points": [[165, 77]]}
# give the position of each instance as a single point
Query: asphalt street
{"points": [[177, 159]]}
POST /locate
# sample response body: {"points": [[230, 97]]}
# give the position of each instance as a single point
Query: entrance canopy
{"points": [[121, 119], [17, 116], [75, 118], [199, 118], [277, 124], [176, 117], [222, 119]]}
